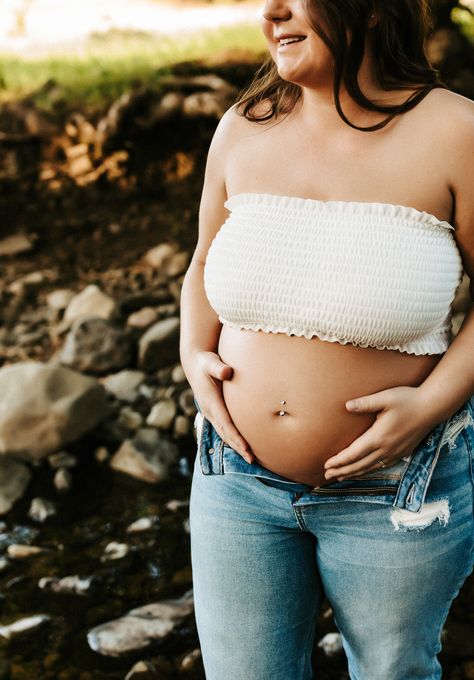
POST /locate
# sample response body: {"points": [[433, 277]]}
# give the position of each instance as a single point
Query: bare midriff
{"points": [[314, 378]]}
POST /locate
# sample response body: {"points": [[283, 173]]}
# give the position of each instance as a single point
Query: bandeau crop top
{"points": [[371, 274]]}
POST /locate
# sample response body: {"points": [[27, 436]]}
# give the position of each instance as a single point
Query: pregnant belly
{"points": [[314, 378]]}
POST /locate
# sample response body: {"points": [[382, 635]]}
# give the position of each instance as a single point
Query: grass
{"points": [[111, 62]]}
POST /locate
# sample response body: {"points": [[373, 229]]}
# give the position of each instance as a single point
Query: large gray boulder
{"points": [[44, 407]]}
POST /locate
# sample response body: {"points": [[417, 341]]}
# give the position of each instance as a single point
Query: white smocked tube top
{"points": [[371, 274]]}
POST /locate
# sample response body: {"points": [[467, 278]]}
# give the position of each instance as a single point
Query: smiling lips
{"points": [[290, 40]]}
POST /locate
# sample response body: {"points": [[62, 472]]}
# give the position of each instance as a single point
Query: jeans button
{"points": [[211, 450]]}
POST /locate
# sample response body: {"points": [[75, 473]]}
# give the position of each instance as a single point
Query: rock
{"points": [[143, 524], [140, 626], [74, 585], [186, 402], [90, 302], [115, 551], [62, 480], [186, 525], [28, 282], [182, 426], [95, 345], [208, 104], [189, 661], [158, 255], [59, 299], [123, 385], [174, 504], [101, 454], [47, 408], [142, 319], [41, 509], [130, 419], [147, 456], [162, 414], [15, 244], [19, 551], [159, 346], [177, 264], [177, 374], [331, 644], [142, 670], [14, 478], [62, 459], [24, 625]]}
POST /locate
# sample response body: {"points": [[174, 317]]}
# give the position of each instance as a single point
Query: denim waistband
{"points": [[402, 485]]}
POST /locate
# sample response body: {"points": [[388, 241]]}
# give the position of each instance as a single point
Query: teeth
{"points": [[285, 41]]}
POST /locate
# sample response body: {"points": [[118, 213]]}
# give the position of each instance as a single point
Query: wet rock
{"points": [[177, 264], [95, 345], [115, 551], [159, 345], [48, 407], [4, 564], [41, 508], [162, 414], [90, 302], [331, 644], [24, 625], [140, 626], [147, 456], [124, 384], [143, 524], [74, 584], [14, 478]]}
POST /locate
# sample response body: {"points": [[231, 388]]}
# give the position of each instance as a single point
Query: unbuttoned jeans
{"points": [[389, 550]]}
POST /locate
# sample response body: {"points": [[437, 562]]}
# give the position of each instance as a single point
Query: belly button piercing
{"points": [[282, 413]]}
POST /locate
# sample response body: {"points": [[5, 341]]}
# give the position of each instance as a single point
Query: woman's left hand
{"points": [[401, 423]]}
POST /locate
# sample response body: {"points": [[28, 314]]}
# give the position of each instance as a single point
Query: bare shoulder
{"points": [[452, 113]]}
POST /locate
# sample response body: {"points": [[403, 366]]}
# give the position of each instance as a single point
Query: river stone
{"points": [[147, 456], [95, 345], [48, 406], [24, 625], [140, 627], [90, 302], [123, 385], [14, 478], [41, 508], [159, 345], [162, 414]]}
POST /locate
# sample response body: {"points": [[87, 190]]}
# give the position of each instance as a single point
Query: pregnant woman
{"points": [[335, 428]]}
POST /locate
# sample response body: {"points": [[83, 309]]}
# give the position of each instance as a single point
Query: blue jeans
{"points": [[389, 550]]}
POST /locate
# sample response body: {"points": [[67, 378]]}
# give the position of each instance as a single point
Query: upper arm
{"points": [[461, 123], [212, 213]]}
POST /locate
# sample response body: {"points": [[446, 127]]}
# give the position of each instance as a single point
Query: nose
{"points": [[276, 10]]}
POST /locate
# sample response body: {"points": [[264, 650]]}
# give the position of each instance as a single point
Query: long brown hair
{"points": [[398, 41]]}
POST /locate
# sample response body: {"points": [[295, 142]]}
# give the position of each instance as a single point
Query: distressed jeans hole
{"points": [[406, 520]]}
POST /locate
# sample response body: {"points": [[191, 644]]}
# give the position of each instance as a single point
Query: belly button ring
{"points": [[282, 413]]}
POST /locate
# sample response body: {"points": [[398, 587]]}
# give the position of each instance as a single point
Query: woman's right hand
{"points": [[208, 373]]}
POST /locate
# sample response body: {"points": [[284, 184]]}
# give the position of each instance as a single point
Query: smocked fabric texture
{"points": [[370, 274]]}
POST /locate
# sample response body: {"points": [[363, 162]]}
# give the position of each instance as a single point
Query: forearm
{"points": [[199, 326], [451, 383]]}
